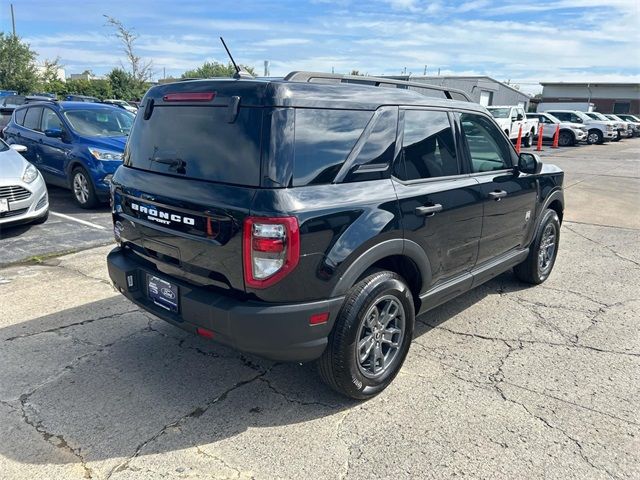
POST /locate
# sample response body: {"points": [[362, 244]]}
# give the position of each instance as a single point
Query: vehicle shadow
{"points": [[107, 385], [61, 201]]}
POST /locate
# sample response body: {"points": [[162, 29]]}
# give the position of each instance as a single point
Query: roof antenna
{"points": [[240, 73]]}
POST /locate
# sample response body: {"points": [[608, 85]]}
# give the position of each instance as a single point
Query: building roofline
{"points": [[456, 77], [591, 84]]}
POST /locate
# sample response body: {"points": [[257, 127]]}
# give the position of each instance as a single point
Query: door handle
{"points": [[497, 195], [429, 210]]}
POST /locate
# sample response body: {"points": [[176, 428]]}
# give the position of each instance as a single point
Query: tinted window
{"points": [[564, 116], [323, 139], [32, 119], [487, 146], [19, 116], [50, 120], [378, 146], [198, 142], [428, 146]]}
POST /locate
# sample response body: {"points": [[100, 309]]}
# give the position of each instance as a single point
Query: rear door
{"points": [[441, 206], [52, 150], [29, 135], [189, 176], [509, 198]]}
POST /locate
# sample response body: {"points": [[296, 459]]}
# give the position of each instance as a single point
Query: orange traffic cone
{"points": [[556, 136], [519, 140], [539, 146]]}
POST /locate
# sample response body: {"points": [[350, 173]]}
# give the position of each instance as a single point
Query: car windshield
{"points": [[598, 116], [552, 118], [500, 112], [3, 146], [100, 122]]}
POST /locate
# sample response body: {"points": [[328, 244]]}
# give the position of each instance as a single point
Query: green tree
{"points": [[48, 76], [123, 85], [215, 69], [17, 65], [141, 70]]}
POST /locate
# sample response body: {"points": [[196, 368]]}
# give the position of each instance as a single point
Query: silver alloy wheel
{"points": [[547, 249], [81, 187], [593, 138], [380, 336]]}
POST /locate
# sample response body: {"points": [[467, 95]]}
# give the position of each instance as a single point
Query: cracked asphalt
{"points": [[504, 382]]}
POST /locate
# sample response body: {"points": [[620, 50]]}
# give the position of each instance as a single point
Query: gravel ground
{"points": [[506, 381]]}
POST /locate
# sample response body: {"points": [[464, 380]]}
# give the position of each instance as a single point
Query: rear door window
{"points": [[198, 142], [323, 140], [428, 146], [32, 118], [19, 116]]}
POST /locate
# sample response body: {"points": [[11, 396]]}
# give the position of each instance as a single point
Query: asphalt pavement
{"points": [[505, 382]]}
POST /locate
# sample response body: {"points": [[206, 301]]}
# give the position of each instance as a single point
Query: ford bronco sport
{"points": [[313, 217]]}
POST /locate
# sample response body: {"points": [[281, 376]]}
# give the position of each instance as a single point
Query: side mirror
{"points": [[520, 117], [529, 163], [53, 133], [578, 120], [18, 148]]}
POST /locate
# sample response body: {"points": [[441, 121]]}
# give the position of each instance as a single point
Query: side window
{"points": [[575, 118], [378, 147], [32, 118], [428, 147], [323, 139], [565, 117], [19, 116], [488, 148], [50, 120]]}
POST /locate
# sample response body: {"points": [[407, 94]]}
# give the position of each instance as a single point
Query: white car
{"points": [[598, 131], [121, 104], [569, 133], [632, 119], [23, 193], [621, 127], [629, 125], [510, 119]]}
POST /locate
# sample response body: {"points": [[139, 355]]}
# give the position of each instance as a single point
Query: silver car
{"points": [[23, 193]]}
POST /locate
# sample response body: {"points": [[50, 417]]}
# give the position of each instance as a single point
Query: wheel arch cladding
{"points": [[403, 257]]}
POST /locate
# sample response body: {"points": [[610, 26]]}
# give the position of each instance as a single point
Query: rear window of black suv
{"points": [[198, 142]]}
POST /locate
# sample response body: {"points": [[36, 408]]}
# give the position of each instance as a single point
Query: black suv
{"points": [[312, 218]]}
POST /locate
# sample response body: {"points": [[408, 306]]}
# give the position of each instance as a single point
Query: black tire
{"points": [[41, 219], [566, 139], [84, 193], [528, 140], [534, 270], [594, 136], [340, 366]]}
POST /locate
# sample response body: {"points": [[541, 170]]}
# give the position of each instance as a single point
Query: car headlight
{"points": [[30, 174], [609, 127], [100, 154]]}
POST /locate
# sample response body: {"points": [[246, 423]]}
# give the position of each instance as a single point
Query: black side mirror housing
{"points": [[529, 163], [520, 117]]}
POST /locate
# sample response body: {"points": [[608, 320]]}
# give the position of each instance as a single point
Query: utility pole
{"points": [[164, 73], [13, 21], [425, 71]]}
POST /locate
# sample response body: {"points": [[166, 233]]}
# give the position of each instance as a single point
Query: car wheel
{"points": [[371, 337], [41, 219], [594, 136], [82, 188], [566, 139], [543, 251], [528, 140]]}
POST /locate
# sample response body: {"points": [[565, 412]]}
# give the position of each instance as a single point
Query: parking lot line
{"points": [[83, 222]]}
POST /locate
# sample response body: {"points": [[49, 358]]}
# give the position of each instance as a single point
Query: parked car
{"points": [[633, 119], [81, 98], [511, 119], [568, 133], [23, 193], [13, 101], [620, 127], [307, 221], [598, 130], [121, 104], [75, 145], [629, 126], [5, 116]]}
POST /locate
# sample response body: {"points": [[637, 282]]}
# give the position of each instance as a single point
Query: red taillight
{"points": [[189, 97], [203, 332], [319, 318], [271, 249]]}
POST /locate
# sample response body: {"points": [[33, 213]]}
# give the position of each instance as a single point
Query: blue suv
{"points": [[75, 145]]}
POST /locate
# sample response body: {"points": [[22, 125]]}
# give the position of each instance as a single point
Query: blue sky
{"points": [[524, 42]]}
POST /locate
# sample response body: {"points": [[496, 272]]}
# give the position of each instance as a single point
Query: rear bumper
{"points": [[274, 331]]}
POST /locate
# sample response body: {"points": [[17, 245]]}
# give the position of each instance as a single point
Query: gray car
{"points": [[23, 193]]}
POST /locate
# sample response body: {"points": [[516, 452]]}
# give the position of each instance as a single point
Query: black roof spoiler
{"points": [[422, 88]]}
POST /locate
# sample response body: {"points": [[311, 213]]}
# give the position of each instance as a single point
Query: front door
{"points": [[441, 208], [52, 149], [509, 197]]}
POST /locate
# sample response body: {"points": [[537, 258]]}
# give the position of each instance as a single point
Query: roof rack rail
{"points": [[421, 88]]}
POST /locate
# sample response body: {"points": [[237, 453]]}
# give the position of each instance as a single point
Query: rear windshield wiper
{"points": [[176, 163]]}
